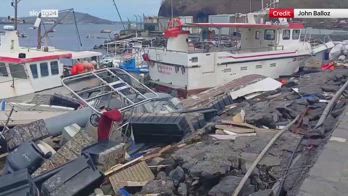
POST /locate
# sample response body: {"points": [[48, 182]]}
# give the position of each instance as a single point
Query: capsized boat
{"points": [[272, 49]]}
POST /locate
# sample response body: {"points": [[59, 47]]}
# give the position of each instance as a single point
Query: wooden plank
{"points": [[228, 122], [235, 129], [223, 137]]}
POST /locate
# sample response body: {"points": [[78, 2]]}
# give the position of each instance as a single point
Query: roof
{"points": [[33, 55], [85, 54], [246, 25]]}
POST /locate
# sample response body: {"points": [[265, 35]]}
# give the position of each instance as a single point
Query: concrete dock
{"points": [[329, 175]]}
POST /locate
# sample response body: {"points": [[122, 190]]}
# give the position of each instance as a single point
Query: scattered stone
{"points": [[162, 187], [261, 119], [330, 123], [267, 192], [330, 88], [225, 187], [207, 160], [182, 190], [161, 175], [177, 175], [228, 184]]}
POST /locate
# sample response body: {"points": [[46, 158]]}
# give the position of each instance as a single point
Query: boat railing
{"points": [[101, 86]]}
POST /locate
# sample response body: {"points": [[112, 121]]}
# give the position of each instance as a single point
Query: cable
{"points": [[77, 28]]}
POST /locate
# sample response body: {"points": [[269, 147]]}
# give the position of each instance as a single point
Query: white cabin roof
{"points": [[33, 55], [85, 54]]}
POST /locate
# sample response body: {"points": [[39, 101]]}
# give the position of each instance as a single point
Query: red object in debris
{"points": [[328, 67], [284, 82], [105, 124], [146, 57]]}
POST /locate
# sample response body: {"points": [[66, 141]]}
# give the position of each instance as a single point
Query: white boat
{"points": [[25, 71], [272, 49]]}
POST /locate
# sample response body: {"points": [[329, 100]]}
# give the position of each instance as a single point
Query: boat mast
{"points": [[39, 36], [119, 15], [14, 4], [57, 22]]}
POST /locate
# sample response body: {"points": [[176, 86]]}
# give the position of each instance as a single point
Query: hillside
{"points": [[200, 9], [81, 18]]}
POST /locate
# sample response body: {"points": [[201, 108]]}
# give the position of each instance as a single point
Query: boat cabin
{"points": [[28, 70]]}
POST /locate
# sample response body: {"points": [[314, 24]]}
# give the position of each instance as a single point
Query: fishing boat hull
{"points": [[192, 78]]}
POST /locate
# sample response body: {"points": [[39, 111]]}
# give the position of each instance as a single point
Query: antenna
{"points": [[171, 9], [261, 4]]}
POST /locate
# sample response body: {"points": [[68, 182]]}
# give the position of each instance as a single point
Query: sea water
{"points": [[65, 36]]}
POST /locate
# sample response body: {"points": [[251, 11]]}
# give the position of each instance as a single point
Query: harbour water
{"points": [[65, 35]]}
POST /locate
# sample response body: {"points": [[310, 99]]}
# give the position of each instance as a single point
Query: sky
{"points": [[100, 8]]}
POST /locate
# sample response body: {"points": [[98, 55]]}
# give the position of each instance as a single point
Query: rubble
{"points": [[68, 152], [227, 185], [77, 177], [202, 148]]}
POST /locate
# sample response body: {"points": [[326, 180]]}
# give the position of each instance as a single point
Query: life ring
{"points": [[175, 23], [174, 28]]}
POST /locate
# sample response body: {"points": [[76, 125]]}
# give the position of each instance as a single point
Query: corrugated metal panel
{"points": [[136, 175]]}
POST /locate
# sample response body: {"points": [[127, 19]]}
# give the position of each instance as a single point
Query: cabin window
{"points": [[296, 34], [44, 69], [273, 65], [17, 71], [54, 68], [33, 69], [286, 34], [258, 66], [243, 68], [269, 34], [194, 59], [3, 70], [257, 35]]}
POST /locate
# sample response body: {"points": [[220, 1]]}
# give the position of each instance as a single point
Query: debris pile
{"points": [[340, 53], [214, 160], [202, 146]]}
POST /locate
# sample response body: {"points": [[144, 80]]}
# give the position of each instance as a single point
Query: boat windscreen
{"points": [[18, 71], [3, 70]]}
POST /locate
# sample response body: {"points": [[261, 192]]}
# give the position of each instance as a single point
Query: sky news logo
{"points": [[49, 13], [307, 13]]}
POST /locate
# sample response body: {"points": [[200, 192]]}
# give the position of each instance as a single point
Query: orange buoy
{"points": [[78, 69]]}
